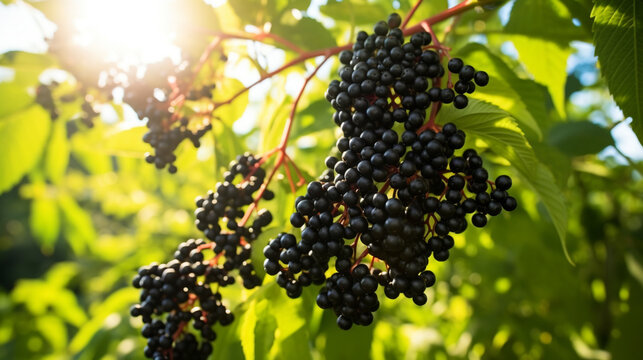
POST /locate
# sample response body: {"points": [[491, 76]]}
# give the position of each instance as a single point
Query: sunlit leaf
{"points": [[78, 227], [545, 19], [547, 62], [44, 221], [54, 330], [229, 113], [497, 127], [24, 135], [297, 31], [57, 153], [617, 35], [15, 97], [356, 12], [114, 303], [505, 89]]}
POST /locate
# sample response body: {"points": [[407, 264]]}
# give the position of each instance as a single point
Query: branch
{"points": [[408, 16]]}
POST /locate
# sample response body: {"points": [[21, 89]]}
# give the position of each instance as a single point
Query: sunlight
{"points": [[131, 31]]}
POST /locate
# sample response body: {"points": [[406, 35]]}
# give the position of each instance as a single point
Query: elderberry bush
{"points": [[396, 198], [180, 300]]}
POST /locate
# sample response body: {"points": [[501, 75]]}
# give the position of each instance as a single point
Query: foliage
{"points": [[81, 210]]}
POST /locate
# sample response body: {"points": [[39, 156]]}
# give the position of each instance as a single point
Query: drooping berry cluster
{"points": [[172, 290], [184, 293], [386, 81], [393, 198], [156, 100]]}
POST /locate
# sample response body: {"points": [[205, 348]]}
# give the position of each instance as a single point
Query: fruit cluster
{"points": [[185, 291], [154, 99], [45, 99], [395, 198], [384, 81]]}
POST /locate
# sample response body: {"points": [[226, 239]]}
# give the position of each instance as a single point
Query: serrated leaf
{"points": [[579, 138], [500, 131], [57, 153], [618, 37], [547, 63], [545, 19], [505, 89], [44, 221], [24, 135]]}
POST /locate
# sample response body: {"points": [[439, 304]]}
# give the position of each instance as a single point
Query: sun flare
{"points": [[127, 30]]}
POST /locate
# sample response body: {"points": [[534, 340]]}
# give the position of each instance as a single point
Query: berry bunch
{"points": [[185, 290], [395, 198], [385, 80], [173, 289], [154, 99], [45, 99]]}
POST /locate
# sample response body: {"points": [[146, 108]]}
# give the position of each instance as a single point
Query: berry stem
{"points": [[408, 16], [359, 259], [293, 110]]}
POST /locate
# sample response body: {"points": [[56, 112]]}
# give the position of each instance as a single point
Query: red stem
{"points": [[410, 14]]}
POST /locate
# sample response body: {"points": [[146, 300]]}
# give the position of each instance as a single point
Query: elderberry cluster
{"points": [[183, 294], [173, 289], [153, 100], [45, 99], [386, 81], [395, 198]]}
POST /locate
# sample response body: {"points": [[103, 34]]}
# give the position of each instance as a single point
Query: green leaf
{"points": [[298, 32], [634, 266], [505, 89], [547, 62], [14, 97], [500, 131], [126, 143], [579, 138], [545, 19], [275, 113], [264, 332], [257, 330], [248, 331], [618, 32], [113, 304], [340, 343], [53, 330], [27, 66], [44, 221], [357, 12], [225, 88], [57, 153], [23, 135], [79, 229]]}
